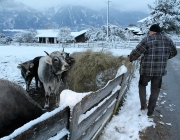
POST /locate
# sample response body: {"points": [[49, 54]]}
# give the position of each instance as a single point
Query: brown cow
{"points": [[16, 107]]}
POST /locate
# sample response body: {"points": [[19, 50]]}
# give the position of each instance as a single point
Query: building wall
{"points": [[81, 38], [53, 40]]}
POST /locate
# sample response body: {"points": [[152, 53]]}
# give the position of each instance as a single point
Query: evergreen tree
{"points": [[167, 14]]}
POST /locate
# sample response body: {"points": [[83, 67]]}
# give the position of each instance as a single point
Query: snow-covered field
{"points": [[124, 126], [11, 56]]}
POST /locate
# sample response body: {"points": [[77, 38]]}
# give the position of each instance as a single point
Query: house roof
{"points": [[75, 34], [142, 20], [54, 33], [133, 28], [47, 33]]}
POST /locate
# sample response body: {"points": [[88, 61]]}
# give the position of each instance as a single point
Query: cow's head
{"points": [[26, 69], [70, 60], [57, 60]]}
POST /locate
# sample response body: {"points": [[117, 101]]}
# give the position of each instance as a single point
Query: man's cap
{"points": [[155, 28]]}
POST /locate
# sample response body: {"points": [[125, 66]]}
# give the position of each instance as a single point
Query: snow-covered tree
{"points": [[30, 35], [18, 37], [95, 34], [116, 33], [64, 35], [2, 35], [25, 36], [4, 39], [166, 13]]}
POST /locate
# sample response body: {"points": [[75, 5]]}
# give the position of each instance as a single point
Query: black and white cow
{"points": [[29, 70], [16, 107], [50, 71]]}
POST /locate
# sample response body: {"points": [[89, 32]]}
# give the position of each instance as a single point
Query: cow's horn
{"points": [[46, 53]]}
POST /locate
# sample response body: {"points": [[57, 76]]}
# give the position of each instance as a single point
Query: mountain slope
{"points": [[14, 15], [82, 17]]}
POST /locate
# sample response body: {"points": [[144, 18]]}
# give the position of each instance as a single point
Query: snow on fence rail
{"points": [[86, 120]]}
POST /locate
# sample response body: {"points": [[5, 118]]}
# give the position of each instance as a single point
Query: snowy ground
{"points": [[130, 119], [123, 126]]}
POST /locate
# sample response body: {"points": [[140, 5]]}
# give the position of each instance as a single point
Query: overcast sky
{"points": [[125, 5]]}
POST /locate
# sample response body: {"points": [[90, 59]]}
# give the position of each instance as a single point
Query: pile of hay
{"points": [[92, 70]]}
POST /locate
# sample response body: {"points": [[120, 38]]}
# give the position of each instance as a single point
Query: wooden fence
{"points": [[88, 117]]}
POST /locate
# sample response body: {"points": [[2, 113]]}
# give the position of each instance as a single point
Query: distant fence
{"points": [[88, 117], [177, 43], [115, 45]]}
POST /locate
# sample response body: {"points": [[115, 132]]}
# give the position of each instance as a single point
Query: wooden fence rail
{"points": [[88, 117]]}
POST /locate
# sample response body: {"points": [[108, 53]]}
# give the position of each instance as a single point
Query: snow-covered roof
{"points": [[133, 28], [142, 20], [75, 34], [47, 33], [54, 33], [140, 33]]}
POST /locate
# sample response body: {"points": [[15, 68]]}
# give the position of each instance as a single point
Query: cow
{"points": [[70, 60], [29, 70], [16, 107], [50, 71]]}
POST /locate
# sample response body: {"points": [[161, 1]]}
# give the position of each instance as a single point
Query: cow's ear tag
{"points": [[49, 60]]}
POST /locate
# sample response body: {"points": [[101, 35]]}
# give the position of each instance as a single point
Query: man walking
{"points": [[155, 50]]}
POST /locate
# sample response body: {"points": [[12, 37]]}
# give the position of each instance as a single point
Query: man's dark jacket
{"points": [[155, 50]]}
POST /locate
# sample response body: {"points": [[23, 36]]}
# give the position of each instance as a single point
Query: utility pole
{"points": [[107, 39], [157, 2]]}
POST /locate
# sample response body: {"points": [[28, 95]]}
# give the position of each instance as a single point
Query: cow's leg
{"points": [[47, 101], [47, 94], [36, 82], [41, 85], [57, 93], [27, 87], [28, 82], [57, 100]]}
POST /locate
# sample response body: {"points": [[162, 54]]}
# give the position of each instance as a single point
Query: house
{"points": [[135, 30], [51, 35], [79, 36]]}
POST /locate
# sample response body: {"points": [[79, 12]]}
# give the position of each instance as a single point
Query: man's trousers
{"points": [[155, 89]]}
